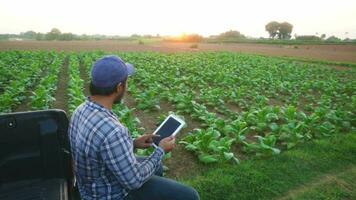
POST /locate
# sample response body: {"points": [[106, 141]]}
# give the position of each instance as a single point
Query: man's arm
{"points": [[117, 154]]}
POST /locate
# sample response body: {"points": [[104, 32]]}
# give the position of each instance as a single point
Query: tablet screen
{"points": [[167, 129]]}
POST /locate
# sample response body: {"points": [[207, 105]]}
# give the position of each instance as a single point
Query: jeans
{"points": [[160, 188]]}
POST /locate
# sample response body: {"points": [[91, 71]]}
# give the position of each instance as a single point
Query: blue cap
{"points": [[110, 71]]}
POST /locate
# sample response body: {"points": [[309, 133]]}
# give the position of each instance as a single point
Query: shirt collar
{"points": [[97, 106]]}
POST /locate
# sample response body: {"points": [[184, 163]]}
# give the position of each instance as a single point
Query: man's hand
{"points": [[168, 143], [144, 141]]}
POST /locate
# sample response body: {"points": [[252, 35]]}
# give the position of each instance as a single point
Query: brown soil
{"points": [[148, 119], [233, 107], [61, 95], [339, 53]]}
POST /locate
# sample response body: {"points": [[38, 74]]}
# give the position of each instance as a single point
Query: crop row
{"points": [[43, 96], [27, 71], [282, 103]]}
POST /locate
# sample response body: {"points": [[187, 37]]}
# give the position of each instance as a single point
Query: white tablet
{"points": [[170, 126]]}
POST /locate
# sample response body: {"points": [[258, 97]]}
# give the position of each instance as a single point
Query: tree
{"points": [[40, 36], [272, 28], [308, 38], [54, 34], [323, 36], [285, 30], [282, 30], [29, 34], [231, 35], [66, 36], [333, 39]]}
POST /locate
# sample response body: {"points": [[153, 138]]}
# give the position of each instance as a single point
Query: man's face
{"points": [[120, 93]]}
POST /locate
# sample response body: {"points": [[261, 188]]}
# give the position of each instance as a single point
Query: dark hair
{"points": [[94, 90]]}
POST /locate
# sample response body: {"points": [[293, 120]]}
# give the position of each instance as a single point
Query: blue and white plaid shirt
{"points": [[103, 154]]}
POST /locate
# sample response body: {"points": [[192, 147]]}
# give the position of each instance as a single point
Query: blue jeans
{"points": [[160, 188]]}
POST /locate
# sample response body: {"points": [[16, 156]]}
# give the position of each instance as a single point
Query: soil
{"points": [[61, 95], [338, 53]]}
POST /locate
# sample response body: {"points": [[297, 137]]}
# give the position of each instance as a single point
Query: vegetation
{"points": [[20, 76], [280, 33], [282, 103], [279, 30], [42, 96], [322, 169], [75, 85], [258, 117]]}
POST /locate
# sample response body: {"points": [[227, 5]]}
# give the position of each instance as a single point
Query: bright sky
{"points": [[173, 17]]}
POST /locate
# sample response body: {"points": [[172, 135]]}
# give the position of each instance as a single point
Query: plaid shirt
{"points": [[102, 149]]}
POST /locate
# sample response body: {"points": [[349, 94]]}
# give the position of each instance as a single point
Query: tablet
{"points": [[170, 126]]}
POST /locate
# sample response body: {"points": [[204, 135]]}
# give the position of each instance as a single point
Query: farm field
{"points": [[331, 53], [260, 127]]}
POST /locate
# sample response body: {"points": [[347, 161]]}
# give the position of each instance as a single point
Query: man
{"points": [[103, 151]]}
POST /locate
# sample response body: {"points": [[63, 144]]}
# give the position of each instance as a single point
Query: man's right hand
{"points": [[168, 143]]}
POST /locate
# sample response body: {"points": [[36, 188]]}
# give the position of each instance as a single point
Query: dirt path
{"points": [[326, 179], [61, 95]]}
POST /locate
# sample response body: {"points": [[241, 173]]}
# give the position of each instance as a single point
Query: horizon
{"points": [[165, 18]]}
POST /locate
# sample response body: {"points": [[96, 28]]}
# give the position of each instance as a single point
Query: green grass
{"points": [[335, 187], [274, 177]]}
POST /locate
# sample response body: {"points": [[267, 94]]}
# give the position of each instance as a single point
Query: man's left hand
{"points": [[144, 141]]}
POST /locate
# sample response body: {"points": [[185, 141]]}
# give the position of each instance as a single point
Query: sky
{"points": [[174, 17]]}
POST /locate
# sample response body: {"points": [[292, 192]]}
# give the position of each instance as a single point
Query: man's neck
{"points": [[104, 101]]}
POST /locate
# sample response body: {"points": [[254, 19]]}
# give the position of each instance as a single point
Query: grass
{"points": [[288, 175]]}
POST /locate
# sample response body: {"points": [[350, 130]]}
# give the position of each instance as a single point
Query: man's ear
{"points": [[120, 87]]}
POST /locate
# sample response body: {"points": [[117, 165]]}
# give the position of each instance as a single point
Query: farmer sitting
{"points": [[105, 165]]}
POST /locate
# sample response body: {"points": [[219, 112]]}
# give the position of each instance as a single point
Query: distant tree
{"points": [[135, 36], [281, 30], [231, 35], [333, 39], [308, 38], [285, 30], [272, 28], [323, 36], [40, 36], [28, 35], [84, 37], [67, 36], [54, 34]]}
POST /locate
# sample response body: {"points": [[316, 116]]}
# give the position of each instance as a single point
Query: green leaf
{"points": [[228, 155], [207, 158]]}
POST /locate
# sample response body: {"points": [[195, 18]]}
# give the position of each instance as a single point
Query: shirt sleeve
{"points": [[117, 154]]}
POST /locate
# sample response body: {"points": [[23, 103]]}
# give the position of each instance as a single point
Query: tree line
{"points": [[277, 32]]}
